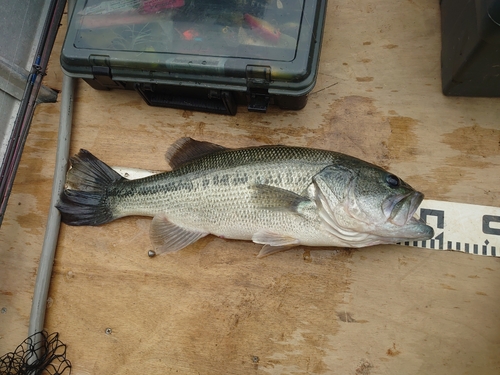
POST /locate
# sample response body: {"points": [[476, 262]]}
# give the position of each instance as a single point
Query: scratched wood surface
{"points": [[214, 308]]}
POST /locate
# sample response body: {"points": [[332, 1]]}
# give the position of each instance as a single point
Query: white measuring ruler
{"points": [[462, 227]]}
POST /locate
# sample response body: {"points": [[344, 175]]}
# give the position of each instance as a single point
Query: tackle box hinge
{"points": [[258, 80]]}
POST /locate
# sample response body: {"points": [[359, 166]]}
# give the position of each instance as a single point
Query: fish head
{"points": [[365, 205]]}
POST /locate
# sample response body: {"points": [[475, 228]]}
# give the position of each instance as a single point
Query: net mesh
{"points": [[39, 354]]}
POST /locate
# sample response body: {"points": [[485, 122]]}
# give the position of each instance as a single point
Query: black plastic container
{"points": [[470, 56], [199, 55]]}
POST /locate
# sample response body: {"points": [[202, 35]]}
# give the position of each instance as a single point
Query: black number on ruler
{"points": [[439, 214], [487, 220], [487, 229]]}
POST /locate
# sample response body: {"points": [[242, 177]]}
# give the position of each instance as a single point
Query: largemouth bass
{"points": [[277, 196]]}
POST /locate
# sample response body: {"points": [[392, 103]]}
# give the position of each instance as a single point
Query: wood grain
{"points": [[214, 308]]}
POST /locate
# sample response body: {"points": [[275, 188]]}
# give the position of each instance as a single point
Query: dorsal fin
{"points": [[186, 149]]}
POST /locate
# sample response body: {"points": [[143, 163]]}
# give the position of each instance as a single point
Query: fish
{"points": [[274, 195]]}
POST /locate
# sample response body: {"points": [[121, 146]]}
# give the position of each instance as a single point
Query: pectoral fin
{"points": [[275, 198], [273, 242], [168, 237]]}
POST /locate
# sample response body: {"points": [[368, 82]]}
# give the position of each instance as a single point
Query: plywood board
{"points": [[213, 307]]}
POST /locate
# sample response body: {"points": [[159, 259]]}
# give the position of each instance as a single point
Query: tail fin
{"points": [[85, 198]]}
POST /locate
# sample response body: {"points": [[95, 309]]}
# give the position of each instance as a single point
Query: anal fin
{"points": [[168, 237]]}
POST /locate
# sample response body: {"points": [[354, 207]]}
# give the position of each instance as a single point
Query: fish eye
{"points": [[392, 181]]}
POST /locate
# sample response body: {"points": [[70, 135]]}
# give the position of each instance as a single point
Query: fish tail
{"points": [[85, 199]]}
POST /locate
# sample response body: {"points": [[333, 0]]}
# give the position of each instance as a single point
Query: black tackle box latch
{"points": [[258, 81]]}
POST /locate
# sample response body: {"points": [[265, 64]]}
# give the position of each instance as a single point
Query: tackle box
{"points": [[206, 55]]}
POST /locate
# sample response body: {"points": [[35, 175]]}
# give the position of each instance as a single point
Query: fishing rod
{"points": [[26, 110]]}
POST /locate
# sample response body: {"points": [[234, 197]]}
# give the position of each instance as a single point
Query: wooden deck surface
{"points": [[214, 308]]}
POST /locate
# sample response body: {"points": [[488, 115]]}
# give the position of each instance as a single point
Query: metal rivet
{"points": [[151, 253], [108, 331]]}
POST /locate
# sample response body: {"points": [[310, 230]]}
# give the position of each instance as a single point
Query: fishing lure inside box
{"points": [[197, 54]]}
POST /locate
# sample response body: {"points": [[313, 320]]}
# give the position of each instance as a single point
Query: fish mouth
{"points": [[400, 209]]}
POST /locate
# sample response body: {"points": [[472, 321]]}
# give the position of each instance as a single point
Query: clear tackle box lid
{"points": [[226, 43]]}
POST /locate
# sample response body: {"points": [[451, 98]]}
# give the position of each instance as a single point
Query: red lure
{"points": [[263, 28]]}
